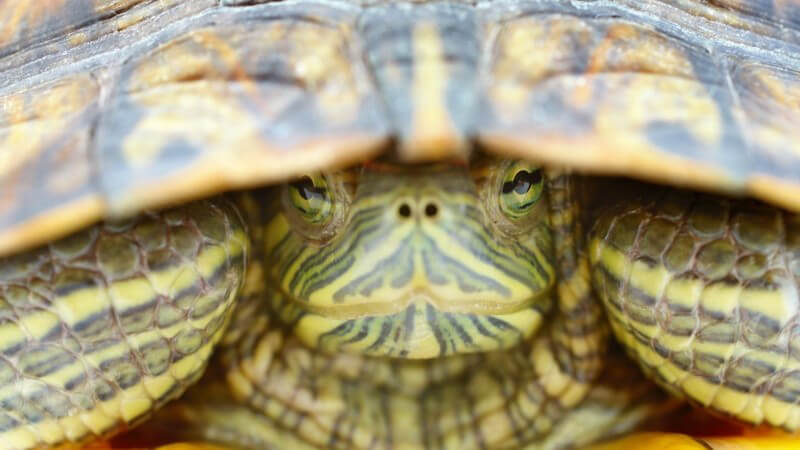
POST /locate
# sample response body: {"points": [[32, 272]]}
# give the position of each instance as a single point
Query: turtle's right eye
{"points": [[312, 198], [522, 186]]}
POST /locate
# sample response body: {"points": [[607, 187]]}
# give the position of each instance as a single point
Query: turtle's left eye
{"points": [[523, 184], [311, 197]]}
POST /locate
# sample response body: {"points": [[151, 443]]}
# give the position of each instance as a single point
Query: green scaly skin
{"points": [[402, 307]]}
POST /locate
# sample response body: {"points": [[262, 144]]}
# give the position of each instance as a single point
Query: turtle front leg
{"points": [[101, 328], [703, 293], [579, 331]]}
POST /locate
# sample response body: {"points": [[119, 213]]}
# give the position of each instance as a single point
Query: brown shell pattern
{"points": [[111, 106]]}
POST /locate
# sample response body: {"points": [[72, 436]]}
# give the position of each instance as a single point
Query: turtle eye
{"points": [[311, 197], [522, 187]]}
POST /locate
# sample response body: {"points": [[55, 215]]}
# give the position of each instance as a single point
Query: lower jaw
{"points": [[421, 331]]}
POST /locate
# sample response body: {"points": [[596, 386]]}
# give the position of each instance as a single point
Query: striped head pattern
{"points": [[413, 262]]}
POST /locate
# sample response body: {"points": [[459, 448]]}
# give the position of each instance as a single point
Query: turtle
{"points": [[396, 224]]}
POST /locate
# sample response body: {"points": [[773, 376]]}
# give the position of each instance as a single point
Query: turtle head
{"points": [[414, 262]]}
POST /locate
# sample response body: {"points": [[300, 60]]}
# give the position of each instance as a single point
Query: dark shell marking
{"points": [[116, 104]]}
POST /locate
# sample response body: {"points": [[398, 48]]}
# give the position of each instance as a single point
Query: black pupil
{"points": [[523, 181], [305, 187]]}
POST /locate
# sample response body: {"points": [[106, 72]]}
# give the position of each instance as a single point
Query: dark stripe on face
{"points": [[504, 258], [462, 273], [386, 328], [367, 282], [430, 315], [408, 327], [465, 338], [363, 332], [476, 322]]}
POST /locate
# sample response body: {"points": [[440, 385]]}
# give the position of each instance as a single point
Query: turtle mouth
{"points": [[419, 328], [419, 297]]}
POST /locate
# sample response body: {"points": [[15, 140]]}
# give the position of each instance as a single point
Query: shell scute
{"points": [[770, 105], [48, 39], [596, 88], [28, 23], [780, 11], [651, 96], [209, 95], [245, 101], [49, 129]]}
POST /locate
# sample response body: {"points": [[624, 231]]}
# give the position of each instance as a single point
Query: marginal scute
{"points": [[601, 93], [41, 161], [770, 109], [282, 87], [29, 23], [781, 11]]}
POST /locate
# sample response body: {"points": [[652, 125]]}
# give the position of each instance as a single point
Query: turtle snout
{"points": [[423, 207]]}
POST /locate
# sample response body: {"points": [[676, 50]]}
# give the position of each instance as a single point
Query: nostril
{"points": [[404, 210], [431, 210]]}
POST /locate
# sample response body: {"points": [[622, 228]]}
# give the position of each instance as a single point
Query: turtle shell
{"points": [[111, 106]]}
